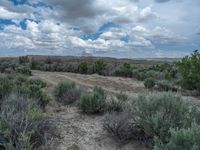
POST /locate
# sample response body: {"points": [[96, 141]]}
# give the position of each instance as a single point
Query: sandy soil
{"points": [[83, 132]]}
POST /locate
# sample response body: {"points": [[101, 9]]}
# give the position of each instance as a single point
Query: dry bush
{"points": [[70, 96], [67, 92], [117, 104], [23, 125], [122, 126], [164, 85]]}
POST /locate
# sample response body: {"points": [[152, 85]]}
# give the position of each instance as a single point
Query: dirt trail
{"points": [[110, 84], [83, 132]]}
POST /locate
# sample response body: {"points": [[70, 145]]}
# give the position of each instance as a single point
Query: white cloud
{"points": [[46, 35], [50, 29], [84, 13], [5, 14], [147, 14], [113, 33], [158, 35]]}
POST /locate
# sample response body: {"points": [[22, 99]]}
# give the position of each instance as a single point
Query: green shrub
{"points": [[23, 125], [114, 105], [93, 102], [62, 87], [121, 97], [24, 70], [188, 84], [20, 79], [34, 64], [43, 99], [158, 113], [99, 66], [38, 82], [124, 70], [183, 139], [162, 117], [67, 92], [23, 59], [83, 68], [171, 73], [34, 91], [118, 104], [164, 85], [155, 75], [149, 83], [189, 69], [6, 86], [139, 75], [193, 116]]}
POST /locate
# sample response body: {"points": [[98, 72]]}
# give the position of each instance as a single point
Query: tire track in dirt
{"points": [[109, 84], [83, 132], [79, 131]]}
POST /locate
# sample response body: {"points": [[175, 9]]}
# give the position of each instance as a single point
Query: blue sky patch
{"points": [[19, 2], [23, 24], [125, 39], [104, 28], [5, 22]]}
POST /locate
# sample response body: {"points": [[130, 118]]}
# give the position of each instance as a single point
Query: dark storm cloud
{"points": [[72, 9], [81, 13]]}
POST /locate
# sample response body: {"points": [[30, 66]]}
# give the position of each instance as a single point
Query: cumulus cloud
{"points": [[87, 13], [71, 9], [147, 14], [159, 35], [5, 14], [60, 26], [113, 33], [46, 35]]}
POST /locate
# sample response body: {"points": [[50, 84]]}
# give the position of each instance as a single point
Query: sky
{"points": [[110, 28]]}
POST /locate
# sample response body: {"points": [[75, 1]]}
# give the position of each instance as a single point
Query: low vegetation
{"points": [[149, 83], [117, 104], [158, 113], [67, 92], [93, 102], [23, 125], [125, 70], [121, 125], [164, 85], [5, 87], [189, 68], [163, 121], [183, 139], [38, 82]]}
